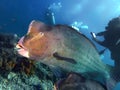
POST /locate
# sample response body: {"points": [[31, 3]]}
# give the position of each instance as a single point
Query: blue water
{"points": [[15, 15]]}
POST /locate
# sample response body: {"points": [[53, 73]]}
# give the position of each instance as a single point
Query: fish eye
{"points": [[41, 33]]}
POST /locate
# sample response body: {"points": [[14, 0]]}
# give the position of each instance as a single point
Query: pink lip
{"points": [[21, 49], [20, 43], [23, 52]]}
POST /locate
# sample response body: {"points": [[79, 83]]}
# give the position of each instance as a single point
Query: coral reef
{"points": [[19, 73]]}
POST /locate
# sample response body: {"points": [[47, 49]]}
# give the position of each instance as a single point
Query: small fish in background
{"points": [[55, 7], [51, 12], [84, 27], [79, 25], [62, 47]]}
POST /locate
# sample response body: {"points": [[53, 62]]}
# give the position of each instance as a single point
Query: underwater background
{"points": [[88, 16]]}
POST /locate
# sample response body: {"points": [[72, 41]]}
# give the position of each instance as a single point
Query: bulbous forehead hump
{"points": [[37, 26]]}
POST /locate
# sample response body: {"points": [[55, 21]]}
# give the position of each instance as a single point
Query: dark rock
{"points": [[78, 82]]}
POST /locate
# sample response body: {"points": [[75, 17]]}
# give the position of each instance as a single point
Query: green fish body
{"points": [[63, 47]]}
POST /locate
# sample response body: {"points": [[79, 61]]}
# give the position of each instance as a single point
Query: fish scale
{"points": [[90, 61]]}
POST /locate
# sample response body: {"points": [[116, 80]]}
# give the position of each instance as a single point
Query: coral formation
{"points": [[18, 73], [9, 59]]}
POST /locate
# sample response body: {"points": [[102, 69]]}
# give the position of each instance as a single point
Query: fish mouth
{"points": [[21, 50]]}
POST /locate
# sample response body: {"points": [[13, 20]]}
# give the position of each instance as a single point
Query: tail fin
{"points": [[115, 78], [110, 84]]}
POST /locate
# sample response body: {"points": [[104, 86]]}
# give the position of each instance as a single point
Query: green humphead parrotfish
{"points": [[61, 46]]}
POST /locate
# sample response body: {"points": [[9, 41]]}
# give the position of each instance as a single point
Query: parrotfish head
{"points": [[35, 44]]}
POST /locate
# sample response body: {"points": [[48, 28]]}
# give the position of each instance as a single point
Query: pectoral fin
{"points": [[58, 72], [58, 57]]}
